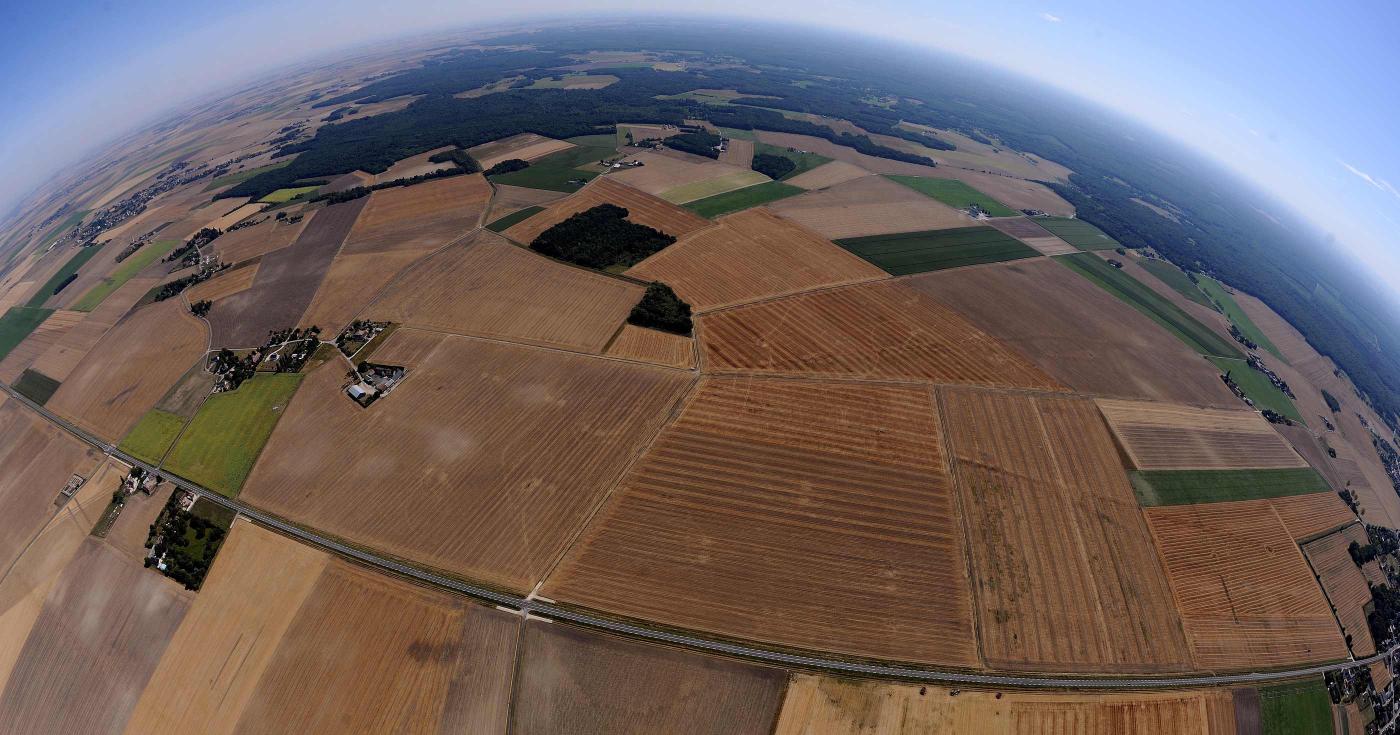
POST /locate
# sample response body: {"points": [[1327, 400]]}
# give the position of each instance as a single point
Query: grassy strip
{"points": [[567, 170], [1258, 388], [17, 323], [1296, 709], [1190, 487], [1176, 278], [804, 161], [513, 219], [706, 188], [1196, 335], [36, 386], [282, 196], [242, 176], [152, 436], [918, 252], [227, 435], [74, 263], [741, 199], [1078, 233], [124, 272], [955, 194], [1227, 303]]}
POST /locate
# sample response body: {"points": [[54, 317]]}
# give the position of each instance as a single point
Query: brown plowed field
{"points": [[666, 169], [130, 368], [1027, 231], [642, 208], [525, 146], [805, 514], [1309, 515], [260, 239], [419, 217], [352, 283], [1163, 436], [93, 648], [1345, 585], [1067, 577], [509, 199], [38, 458], [738, 153], [369, 653], [649, 345], [59, 360], [1245, 592], [488, 287], [348, 181], [485, 459], [749, 256], [876, 330], [226, 284], [828, 174], [1077, 333], [871, 205], [576, 681], [45, 336]]}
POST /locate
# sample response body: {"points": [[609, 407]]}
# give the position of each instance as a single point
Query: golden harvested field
{"points": [[1345, 586], [642, 208], [571, 679], [667, 169], [1078, 333], [93, 647], [415, 166], [875, 330], [419, 217], [130, 368], [369, 653], [228, 283], [260, 239], [48, 333], [797, 513], [351, 283], [1032, 234], [38, 459], [486, 459], [65, 354], [1066, 575], [819, 705], [749, 256], [525, 146], [872, 205], [1285, 336], [237, 215], [488, 287], [1308, 515], [649, 345], [997, 158], [828, 174], [1164, 436], [738, 153], [509, 199], [1245, 592]]}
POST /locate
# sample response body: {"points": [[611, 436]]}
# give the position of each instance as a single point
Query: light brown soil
{"points": [[872, 205], [1345, 586], [351, 283], [663, 170], [649, 345], [225, 284], [525, 146], [58, 361], [511, 199], [38, 459], [1027, 231], [414, 166], [129, 532], [1163, 436], [250, 242], [48, 333], [828, 174], [419, 217], [738, 153], [234, 216], [642, 208]]}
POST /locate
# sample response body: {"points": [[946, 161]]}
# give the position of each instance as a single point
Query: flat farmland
{"points": [[525, 146], [741, 199], [872, 205], [649, 345], [122, 273], [220, 445], [1297, 708], [418, 165], [129, 369], [1162, 436], [234, 216], [1346, 587], [1246, 595], [1027, 231], [1078, 233], [351, 283], [828, 174], [228, 283], [17, 324], [956, 194], [906, 253], [738, 153], [570, 680], [419, 217], [1067, 577], [642, 209], [49, 332], [663, 171], [705, 188], [795, 513], [38, 459], [749, 256], [260, 239], [1225, 297], [1188, 487], [509, 200], [1258, 388], [1074, 331], [483, 461], [488, 287], [876, 330]]}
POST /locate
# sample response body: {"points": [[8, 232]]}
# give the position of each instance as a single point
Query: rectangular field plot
{"points": [[525, 146], [1161, 436], [741, 199], [1067, 576], [419, 217], [1176, 278], [870, 205], [1078, 233], [956, 194], [642, 209], [1032, 234], [514, 218], [919, 252], [223, 441], [706, 188], [1345, 586], [1302, 708], [38, 458], [35, 386], [54, 327], [791, 512], [566, 170], [649, 345], [1245, 592], [1188, 487], [17, 324]]}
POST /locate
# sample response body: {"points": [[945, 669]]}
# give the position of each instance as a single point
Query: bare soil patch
{"points": [[871, 205]]}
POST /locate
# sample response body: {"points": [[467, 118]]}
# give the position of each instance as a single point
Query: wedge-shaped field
{"points": [[1074, 331], [1027, 231], [791, 512], [642, 209], [685, 174], [483, 462], [1163, 436], [509, 201], [1067, 577], [1078, 233], [58, 360], [875, 330], [489, 287], [904, 253], [129, 369], [828, 174], [99, 637], [871, 205], [1346, 587], [218, 448], [741, 199], [417, 165], [649, 345], [1246, 595], [706, 188], [228, 283], [525, 146], [956, 194], [48, 333], [260, 239], [422, 216], [750, 256], [1187, 487]]}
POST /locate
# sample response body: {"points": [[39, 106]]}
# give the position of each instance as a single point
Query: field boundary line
{"points": [[940, 411]]}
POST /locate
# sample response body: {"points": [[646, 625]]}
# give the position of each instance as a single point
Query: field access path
{"points": [[532, 606]]}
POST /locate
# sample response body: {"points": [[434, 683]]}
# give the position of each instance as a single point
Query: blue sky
{"points": [[1300, 98]]}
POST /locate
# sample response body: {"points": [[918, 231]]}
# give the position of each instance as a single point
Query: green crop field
{"points": [[918, 252], [1078, 233], [805, 161], [513, 219], [152, 436], [741, 199], [737, 134], [955, 194], [241, 176], [224, 439], [706, 188], [1296, 709], [1196, 335], [125, 271], [1177, 279], [1217, 292], [36, 386], [1189, 487], [17, 323], [282, 196], [1258, 387], [597, 140], [74, 263], [566, 170]]}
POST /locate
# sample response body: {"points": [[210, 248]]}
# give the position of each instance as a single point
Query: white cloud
{"points": [[1051, 17], [1379, 183]]}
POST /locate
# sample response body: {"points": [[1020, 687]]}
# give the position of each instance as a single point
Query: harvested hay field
{"points": [[228, 283], [351, 283], [1188, 487], [419, 217], [872, 205], [486, 458], [1246, 595], [569, 680], [749, 256], [235, 216], [907, 253], [369, 653], [38, 459], [771, 509], [129, 369], [957, 195], [1345, 586], [45, 336], [1077, 333], [642, 209], [666, 170], [1027, 231], [649, 345], [260, 239], [525, 146], [99, 637], [415, 166], [511, 199], [488, 287], [738, 153], [827, 175], [1163, 436], [876, 330], [1067, 577], [704, 189]]}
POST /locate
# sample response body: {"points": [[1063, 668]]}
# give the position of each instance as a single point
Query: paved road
{"points": [[541, 608]]}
